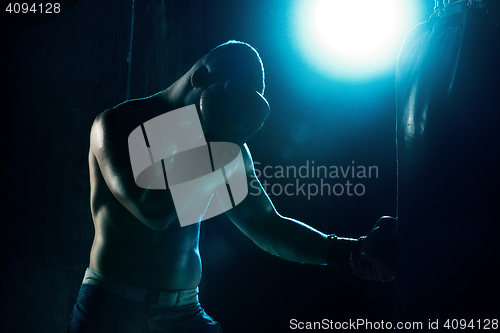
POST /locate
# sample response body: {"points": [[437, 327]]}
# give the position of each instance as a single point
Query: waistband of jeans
{"points": [[141, 295]]}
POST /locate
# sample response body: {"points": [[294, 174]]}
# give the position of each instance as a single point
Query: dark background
{"points": [[60, 72]]}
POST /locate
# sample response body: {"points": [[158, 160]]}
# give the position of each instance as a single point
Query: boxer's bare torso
{"points": [[138, 238], [124, 247]]}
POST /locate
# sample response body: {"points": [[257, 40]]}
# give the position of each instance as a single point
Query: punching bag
{"points": [[448, 119]]}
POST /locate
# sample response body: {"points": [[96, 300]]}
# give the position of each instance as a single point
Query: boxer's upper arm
{"points": [[109, 143], [255, 216]]}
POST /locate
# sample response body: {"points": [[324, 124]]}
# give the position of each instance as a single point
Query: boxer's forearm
{"points": [[284, 237], [295, 241]]}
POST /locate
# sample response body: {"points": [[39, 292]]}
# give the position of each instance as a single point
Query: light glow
{"points": [[351, 40], [355, 26]]}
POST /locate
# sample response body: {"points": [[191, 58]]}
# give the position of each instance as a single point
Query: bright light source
{"points": [[351, 40], [355, 26]]}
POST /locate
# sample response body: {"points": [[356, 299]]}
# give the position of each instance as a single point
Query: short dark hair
{"points": [[244, 57]]}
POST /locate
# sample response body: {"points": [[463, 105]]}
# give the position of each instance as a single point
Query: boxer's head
{"points": [[237, 60], [227, 86], [231, 60]]}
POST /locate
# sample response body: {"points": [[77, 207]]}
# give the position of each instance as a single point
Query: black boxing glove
{"points": [[232, 111], [370, 257]]}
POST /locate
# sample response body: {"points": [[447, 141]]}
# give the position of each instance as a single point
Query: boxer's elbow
{"points": [[279, 249], [267, 247], [270, 238]]}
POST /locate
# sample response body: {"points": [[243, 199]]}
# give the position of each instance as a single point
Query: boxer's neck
{"points": [[181, 93]]}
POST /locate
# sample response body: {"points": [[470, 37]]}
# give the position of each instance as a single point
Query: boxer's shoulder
{"points": [[134, 111], [118, 122]]}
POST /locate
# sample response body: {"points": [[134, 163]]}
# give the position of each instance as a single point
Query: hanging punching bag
{"points": [[448, 118]]}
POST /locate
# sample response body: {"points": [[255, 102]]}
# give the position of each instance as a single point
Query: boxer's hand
{"points": [[376, 257], [370, 257], [232, 111]]}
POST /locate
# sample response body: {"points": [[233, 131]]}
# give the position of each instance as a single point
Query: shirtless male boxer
{"points": [[144, 266]]}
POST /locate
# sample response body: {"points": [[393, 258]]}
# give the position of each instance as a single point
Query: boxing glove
{"points": [[370, 257], [232, 111]]}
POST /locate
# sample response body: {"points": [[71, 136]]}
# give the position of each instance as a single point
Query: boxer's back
{"points": [[124, 247]]}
